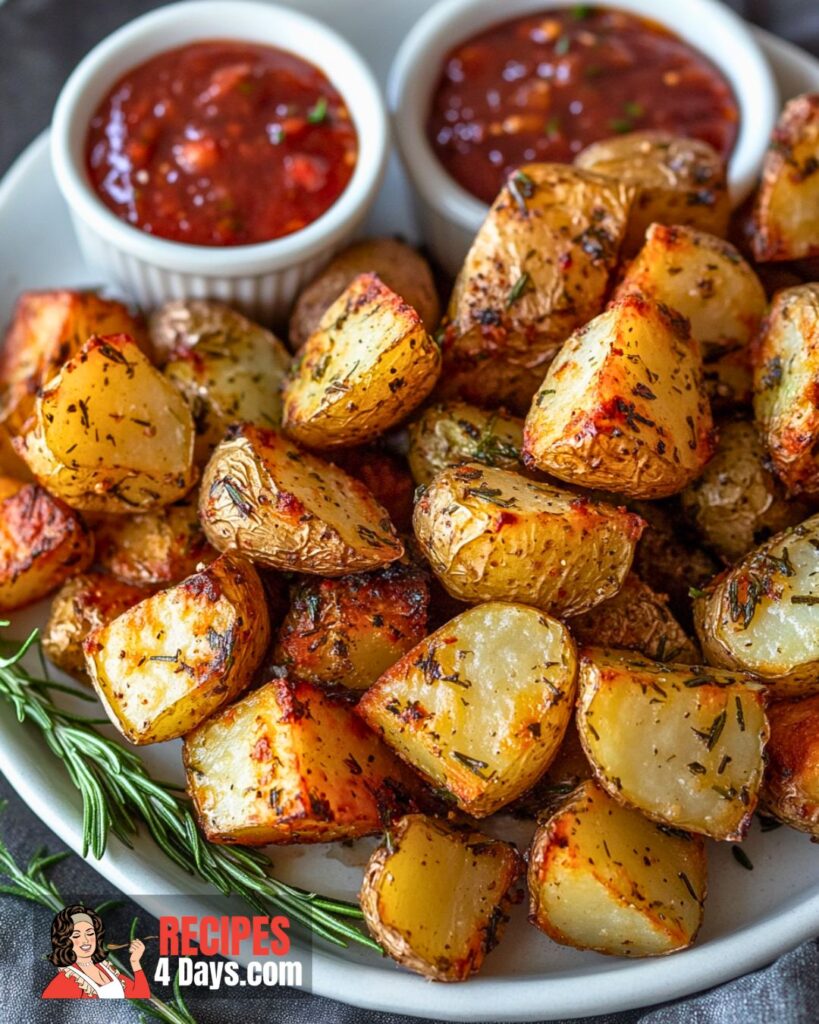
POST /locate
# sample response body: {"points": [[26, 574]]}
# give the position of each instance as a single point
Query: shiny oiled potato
{"points": [[166, 664], [109, 433], [364, 369], [82, 604], [791, 788], [492, 534], [436, 897], [347, 631], [452, 433], [288, 764], [623, 406], [42, 543], [604, 877], [266, 498], [400, 267], [538, 268], [786, 365], [786, 213], [737, 502], [481, 705], [760, 616], [705, 279], [683, 744]]}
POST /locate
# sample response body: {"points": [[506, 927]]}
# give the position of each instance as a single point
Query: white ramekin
{"points": [[448, 214], [262, 279]]}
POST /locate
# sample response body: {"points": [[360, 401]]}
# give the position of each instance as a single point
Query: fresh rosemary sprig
{"points": [[118, 793]]}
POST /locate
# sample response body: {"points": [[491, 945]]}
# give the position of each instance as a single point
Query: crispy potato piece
{"points": [[760, 616], [682, 744], [569, 768], [386, 476], [154, 548], [402, 269], [10, 462], [369, 363], [481, 705], [266, 498], [786, 212], [705, 279], [786, 367], [491, 534], [287, 764], [452, 433], [47, 329], [791, 787], [539, 268], [109, 433], [636, 619], [436, 897], [737, 502], [165, 665], [678, 181], [603, 877], [348, 631], [623, 406], [82, 604], [42, 543]]}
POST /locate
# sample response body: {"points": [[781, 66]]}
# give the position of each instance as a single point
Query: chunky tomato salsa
{"points": [[221, 143], [542, 87]]}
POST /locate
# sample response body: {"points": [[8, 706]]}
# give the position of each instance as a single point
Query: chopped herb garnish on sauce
{"points": [[318, 113]]}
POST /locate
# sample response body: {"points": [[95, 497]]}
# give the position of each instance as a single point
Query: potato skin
{"points": [[266, 498], [538, 268], [791, 788], [42, 543], [477, 526], [82, 604], [462, 873], [402, 269], [622, 407]]}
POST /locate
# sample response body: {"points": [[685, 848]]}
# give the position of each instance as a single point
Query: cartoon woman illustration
{"points": [[78, 952]]}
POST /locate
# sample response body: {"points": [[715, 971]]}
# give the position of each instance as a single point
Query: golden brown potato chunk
{"points": [[569, 768], [436, 897], [791, 789], [10, 462]]}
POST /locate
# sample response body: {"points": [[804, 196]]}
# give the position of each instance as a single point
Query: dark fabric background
{"points": [[40, 42]]}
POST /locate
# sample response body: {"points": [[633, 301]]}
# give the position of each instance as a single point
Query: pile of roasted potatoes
{"points": [[555, 553]]}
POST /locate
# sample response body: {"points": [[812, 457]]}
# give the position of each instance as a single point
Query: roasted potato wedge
{"points": [[569, 768], [678, 181], [47, 329], [481, 705], [791, 788], [760, 616], [623, 407], [705, 279], [109, 433], [452, 433], [786, 212], [365, 368], [347, 631], [682, 744], [538, 268], [153, 548], [490, 534], [287, 764], [42, 543], [603, 877], [82, 604], [636, 619], [466, 879], [737, 502], [166, 664], [386, 476], [266, 498], [402, 269], [786, 366]]}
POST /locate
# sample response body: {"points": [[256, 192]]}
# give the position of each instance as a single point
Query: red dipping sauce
{"points": [[221, 143], [543, 87]]}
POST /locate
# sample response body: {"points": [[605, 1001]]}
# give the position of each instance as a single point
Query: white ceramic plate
{"points": [[751, 916]]}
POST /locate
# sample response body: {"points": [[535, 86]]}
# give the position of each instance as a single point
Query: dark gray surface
{"points": [[40, 42]]}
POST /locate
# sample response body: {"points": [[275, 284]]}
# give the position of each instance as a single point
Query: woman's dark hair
{"points": [[62, 951]]}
